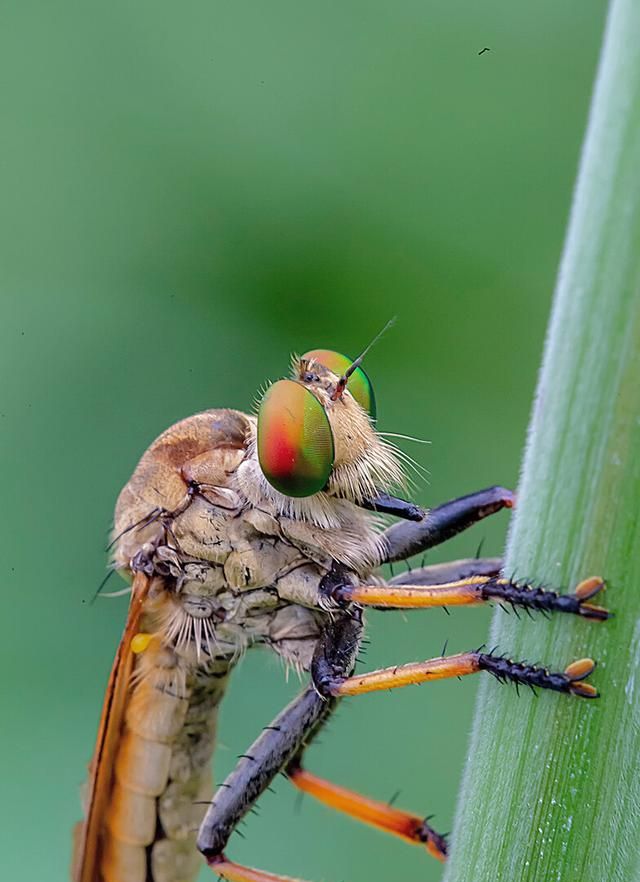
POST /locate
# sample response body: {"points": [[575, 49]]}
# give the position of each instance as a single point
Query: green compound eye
{"points": [[295, 442], [358, 384]]}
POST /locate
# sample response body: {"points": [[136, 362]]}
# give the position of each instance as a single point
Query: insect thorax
{"points": [[232, 568]]}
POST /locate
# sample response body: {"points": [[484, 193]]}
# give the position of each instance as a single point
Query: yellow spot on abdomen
{"points": [[140, 642]]}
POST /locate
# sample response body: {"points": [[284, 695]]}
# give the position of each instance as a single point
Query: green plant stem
{"points": [[551, 790]]}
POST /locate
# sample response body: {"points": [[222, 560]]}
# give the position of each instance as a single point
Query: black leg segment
{"points": [[441, 523], [278, 743], [452, 571]]}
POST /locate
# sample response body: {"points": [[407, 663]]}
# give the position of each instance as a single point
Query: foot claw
{"points": [[578, 671], [584, 690], [587, 589], [592, 611]]}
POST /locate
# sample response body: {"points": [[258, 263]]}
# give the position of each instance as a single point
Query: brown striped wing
{"points": [[86, 859]]}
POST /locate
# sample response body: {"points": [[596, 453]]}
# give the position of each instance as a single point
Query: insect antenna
{"points": [[342, 382]]}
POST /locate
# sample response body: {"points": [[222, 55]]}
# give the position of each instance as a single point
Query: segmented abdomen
{"points": [[162, 770]]}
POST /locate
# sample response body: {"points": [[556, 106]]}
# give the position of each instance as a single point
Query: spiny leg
{"points": [[406, 539], [282, 742], [409, 827], [276, 746], [445, 667], [471, 590]]}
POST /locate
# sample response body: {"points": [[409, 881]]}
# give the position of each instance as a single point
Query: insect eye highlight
{"points": [[295, 442], [359, 384]]}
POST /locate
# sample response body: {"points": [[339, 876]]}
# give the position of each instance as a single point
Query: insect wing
{"points": [[87, 834]]}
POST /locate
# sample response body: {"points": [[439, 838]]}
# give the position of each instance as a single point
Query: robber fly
{"points": [[238, 531]]}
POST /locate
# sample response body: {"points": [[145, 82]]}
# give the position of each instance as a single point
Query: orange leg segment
{"points": [[331, 679], [465, 592], [237, 873], [412, 828], [410, 674], [477, 590], [503, 669]]}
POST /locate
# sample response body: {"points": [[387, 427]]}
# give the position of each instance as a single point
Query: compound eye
{"points": [[358, 383], [295, 442]]}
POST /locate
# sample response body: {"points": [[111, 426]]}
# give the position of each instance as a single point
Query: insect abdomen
{"points": [[162, 770]]}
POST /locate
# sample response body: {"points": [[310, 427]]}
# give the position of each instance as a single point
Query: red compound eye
{"points": [[295, 442]]}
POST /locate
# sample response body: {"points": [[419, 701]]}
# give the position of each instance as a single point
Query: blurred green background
{"points": [[189, 192]]}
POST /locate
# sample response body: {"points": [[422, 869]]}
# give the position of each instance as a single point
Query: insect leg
{"points": [[225, 869], [472, 591], [441, 523], [451, 571], [392, 505], [570, 681], [276, 746], [412, 828]]}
